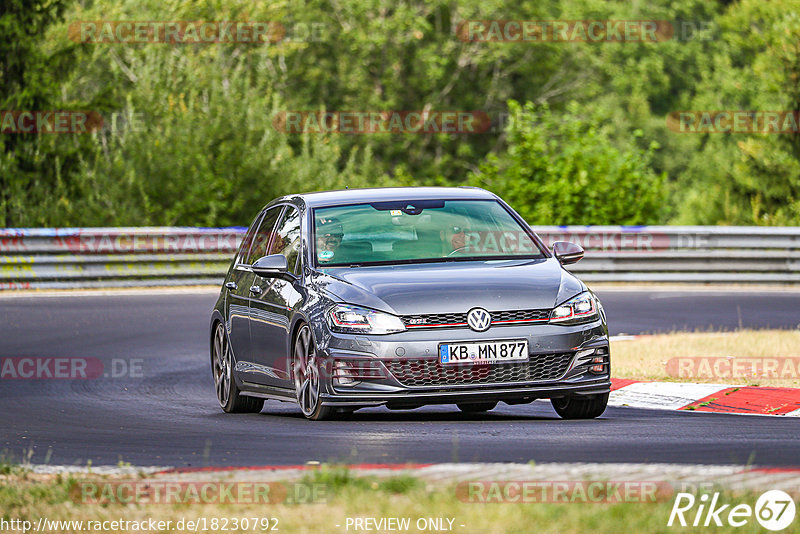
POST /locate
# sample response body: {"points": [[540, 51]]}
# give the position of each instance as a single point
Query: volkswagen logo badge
{"points": [[479, 319]]}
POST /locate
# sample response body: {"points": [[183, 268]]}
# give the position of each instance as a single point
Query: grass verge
{"points": [[647, 357], [29, 497]]}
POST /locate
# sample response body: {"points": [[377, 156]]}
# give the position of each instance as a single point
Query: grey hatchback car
{"points": [[402, 297]]}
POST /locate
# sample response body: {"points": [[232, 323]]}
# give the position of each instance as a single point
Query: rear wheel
{"points": [[228, 394], [477, 407], [306, 376], [580, 407]]}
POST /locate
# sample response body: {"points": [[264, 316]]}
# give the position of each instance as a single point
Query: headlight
{"points": [[577, 310], [355, 320]]}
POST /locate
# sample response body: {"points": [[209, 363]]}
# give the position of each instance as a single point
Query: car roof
{"points": [[378, 194]]}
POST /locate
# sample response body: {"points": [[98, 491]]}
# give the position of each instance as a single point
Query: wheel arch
{"points": [[298, 321]]}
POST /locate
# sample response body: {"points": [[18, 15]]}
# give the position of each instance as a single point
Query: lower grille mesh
{"points": [[540, 367]]}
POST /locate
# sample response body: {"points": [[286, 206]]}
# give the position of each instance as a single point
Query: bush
{"points": [[566, 169]]}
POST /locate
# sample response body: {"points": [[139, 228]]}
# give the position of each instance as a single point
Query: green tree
{"points": [[29, 80], [747, 178], [189, 136], [564, 168]]}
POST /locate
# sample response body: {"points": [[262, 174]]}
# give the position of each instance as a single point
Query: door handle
{"points": [[232, 286], [255, 289]]}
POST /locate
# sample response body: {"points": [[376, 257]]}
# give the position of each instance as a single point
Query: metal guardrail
{"points": [[703, 254], [115, 257], [154, 256]]}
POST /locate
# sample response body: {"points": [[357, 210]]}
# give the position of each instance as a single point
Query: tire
{"points": [[229, 396], [580, 407], [477, 407], [306, 376]]}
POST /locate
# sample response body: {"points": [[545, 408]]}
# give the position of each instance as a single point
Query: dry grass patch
{"points": [[731, 357]]}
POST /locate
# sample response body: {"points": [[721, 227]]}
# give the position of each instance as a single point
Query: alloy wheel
{"points": [[222, 366], [306, 372]]}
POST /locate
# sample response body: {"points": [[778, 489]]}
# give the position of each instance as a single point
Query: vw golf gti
{"points": [[402, 297]]}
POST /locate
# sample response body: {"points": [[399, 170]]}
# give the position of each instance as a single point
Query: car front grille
{"points": [[452, 320], [539, 368]]}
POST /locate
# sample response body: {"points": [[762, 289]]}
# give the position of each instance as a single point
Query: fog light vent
{"points": [[343, 375]]}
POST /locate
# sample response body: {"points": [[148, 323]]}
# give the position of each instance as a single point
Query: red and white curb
{"points": [[719, 398]]}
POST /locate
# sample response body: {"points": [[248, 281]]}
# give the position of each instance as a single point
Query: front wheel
{"points": [[580, 407], [306, 376], [228, 394]]}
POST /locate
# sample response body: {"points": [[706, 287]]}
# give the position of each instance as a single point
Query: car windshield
{"points": [[419, 231]]}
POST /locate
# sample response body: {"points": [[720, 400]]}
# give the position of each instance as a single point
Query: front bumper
{"points": [[510, 395], [566, 346]]}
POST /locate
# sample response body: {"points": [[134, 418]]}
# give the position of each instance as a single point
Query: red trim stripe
{"points": [[521, 321], [437, 324]]}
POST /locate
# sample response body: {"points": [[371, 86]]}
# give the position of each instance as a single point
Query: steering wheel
{"points": [[459, 249]]}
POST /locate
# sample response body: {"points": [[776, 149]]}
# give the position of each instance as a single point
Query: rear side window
{"points": [[244, 247], [287, 238], [263, 237]]}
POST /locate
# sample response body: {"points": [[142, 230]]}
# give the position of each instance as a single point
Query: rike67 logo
{"points": [[774, 510]]}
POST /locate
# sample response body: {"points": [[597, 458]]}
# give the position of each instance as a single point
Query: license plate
{"points": [[483, 352]]}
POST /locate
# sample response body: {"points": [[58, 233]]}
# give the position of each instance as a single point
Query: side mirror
{"points": [[567, 252], [272, 266]]}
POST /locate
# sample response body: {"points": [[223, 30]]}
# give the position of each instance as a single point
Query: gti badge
{"points": [[479, 319]]}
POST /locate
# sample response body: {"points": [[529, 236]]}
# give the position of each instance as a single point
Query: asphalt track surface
{"points": [[169, 416]]}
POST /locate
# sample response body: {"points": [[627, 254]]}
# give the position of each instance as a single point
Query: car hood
{"points": [[452, 287]]}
